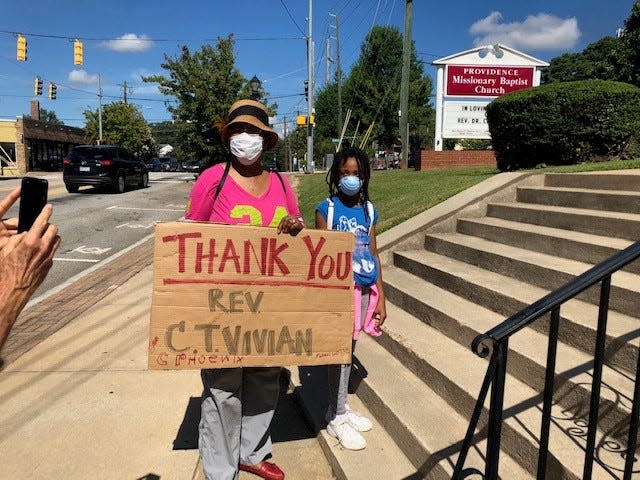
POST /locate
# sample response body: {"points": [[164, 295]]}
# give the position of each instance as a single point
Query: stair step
{"points": [[505, 296], [426, 427], [420, 348], [462, 320], [625, 225], [382, 458], [608, 200], [536, 268], [553, 241], [611, 180]]}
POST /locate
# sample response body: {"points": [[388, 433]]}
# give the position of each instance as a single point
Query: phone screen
{"points": [[33, 198]]}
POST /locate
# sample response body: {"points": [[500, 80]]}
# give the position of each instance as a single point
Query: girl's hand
{"points": [[290, 225], [380, 314]]}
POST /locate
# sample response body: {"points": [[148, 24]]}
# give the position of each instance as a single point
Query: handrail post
{"points": [[494, 430], [552, 348], [596, 384]]}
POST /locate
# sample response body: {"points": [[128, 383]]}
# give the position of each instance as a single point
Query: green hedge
{"points": [[563, 123]]}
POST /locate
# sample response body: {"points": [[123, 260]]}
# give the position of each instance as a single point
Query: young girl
{"points": [[349, 210]]}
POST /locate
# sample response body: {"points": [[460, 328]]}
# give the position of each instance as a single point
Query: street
{"points": [[97, 225]]}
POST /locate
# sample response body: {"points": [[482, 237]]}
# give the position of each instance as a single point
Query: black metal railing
{"points": [[495, 342]]}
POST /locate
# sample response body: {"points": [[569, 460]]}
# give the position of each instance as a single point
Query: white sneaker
{"points": [[357, 421], [348, 437]]}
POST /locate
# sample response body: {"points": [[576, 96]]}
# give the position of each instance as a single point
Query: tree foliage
{"points": [[204, 84], [48, 116], [372, 91], [122, 124], [609, 58]]}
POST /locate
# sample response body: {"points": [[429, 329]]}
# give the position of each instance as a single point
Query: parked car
{"points": [[193, 166], [173, 163], [103, 166], [157, 165]]}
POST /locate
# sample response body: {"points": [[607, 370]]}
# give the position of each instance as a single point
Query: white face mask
{"points": [[246, 147]]}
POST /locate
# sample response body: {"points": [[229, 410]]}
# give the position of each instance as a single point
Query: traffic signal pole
{"points": [[310, 57]]}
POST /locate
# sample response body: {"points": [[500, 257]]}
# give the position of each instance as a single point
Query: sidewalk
{"points": [[78, 401]]}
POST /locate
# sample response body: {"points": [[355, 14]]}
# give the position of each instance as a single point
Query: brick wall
{"points": [[455, 158]]}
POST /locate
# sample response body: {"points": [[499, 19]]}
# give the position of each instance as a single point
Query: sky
{"points": [[124, 40]]}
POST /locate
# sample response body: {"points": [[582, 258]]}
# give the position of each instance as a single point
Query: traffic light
{"points": [[21, 53], [52, 91], [306, 90], [37, 86], [77, 52]]}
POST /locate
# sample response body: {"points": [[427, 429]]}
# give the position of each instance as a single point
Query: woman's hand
{"points": [[290, 225]]}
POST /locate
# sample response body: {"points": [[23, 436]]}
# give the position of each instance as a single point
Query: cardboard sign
{"points": [[232, 296]]}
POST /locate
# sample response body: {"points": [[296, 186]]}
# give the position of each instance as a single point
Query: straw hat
{"points": [[254, 113]]}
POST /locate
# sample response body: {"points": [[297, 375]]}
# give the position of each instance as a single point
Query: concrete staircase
{"points": [[459, 270]]}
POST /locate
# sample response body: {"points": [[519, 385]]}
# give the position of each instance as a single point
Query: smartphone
{"points": [[33, 198]]}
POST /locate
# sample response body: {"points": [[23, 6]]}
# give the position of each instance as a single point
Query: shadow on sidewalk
{"points": [[288, 423]]}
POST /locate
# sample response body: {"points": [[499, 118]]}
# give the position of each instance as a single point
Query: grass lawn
{"points": [[402, 194]]}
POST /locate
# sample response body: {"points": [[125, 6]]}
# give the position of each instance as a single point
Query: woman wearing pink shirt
{"points": [[238, 403]]}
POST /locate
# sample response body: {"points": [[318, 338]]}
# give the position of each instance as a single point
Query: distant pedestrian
{"points": [[25, 260], [238, 403], [349, 209]]}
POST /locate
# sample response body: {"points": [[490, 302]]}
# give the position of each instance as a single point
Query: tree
{"points": [[372, 91], [122, 124], [600, 60], [630, 47], [48, 116], [204, 84]]}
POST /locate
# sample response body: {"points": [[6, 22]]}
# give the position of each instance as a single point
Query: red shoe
{"points": [[264, 469]]}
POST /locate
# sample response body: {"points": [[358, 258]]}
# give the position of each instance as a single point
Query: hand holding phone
{"points": [[33, 198]]}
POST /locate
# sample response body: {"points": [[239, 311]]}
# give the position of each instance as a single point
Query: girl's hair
{"points": [[364, 170]]}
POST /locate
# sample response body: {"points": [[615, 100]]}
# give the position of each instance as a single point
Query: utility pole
{"points": [[99, 111], [338, 71], [287, 167], [125, 88], [404, 83], [327, 75], [310, 57]]}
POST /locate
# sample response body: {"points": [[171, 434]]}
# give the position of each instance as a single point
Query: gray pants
{"points": [[235, 425], [339, 374]]}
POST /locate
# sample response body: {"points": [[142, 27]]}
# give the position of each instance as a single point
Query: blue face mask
{"points": [[350, 185]]}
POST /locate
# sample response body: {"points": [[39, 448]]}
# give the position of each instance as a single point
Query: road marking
{"points": [[86, 260], [116, 207], [91, 250], [77, 276], [135, 225]]}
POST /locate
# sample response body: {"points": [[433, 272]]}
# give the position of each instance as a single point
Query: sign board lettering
{"points": [[233, 296]]}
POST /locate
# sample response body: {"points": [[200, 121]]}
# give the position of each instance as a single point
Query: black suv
{"points": [[103, 166]]}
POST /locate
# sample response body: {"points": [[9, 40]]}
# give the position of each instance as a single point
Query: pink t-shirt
{"points": [[236, 206]]}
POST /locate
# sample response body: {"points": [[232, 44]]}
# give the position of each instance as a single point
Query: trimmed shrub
{"points": [[563, 123]]}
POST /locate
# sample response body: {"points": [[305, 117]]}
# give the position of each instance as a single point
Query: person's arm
{"points": [[292, 223], [24, 264]]}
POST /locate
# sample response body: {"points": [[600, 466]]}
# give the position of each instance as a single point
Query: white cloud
{"points": [[81, 76], [129, 42], [536, 32]]}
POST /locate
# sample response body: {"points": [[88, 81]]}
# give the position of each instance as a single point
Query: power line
{"points": [[292, 19]]}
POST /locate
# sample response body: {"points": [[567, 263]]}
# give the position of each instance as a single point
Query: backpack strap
{"points": [[330, 214], [281, 180], [370, 213], [221, 181]]}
